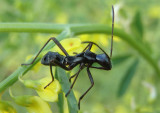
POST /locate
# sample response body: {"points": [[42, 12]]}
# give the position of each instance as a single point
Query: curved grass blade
{"points": [[127, 78]]}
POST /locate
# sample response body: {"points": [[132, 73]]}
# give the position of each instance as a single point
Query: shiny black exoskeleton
{"points": [[87, 58], [84, 59]]}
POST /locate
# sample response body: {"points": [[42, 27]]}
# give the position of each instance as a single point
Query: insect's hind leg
{"points": [[56, 42], [92, 83]]}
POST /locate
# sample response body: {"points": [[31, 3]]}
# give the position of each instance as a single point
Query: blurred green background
{"points": [[131, 86]]}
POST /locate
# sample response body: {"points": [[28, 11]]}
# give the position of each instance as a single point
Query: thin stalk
{"points": [[32, 27]]}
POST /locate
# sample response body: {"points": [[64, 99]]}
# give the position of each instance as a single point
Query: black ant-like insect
{"points": [[85, 59]]}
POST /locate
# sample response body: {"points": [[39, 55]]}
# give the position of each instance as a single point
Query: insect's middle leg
{"points": [[92, 83], [81, 67], [89, 46], [73, 76]]}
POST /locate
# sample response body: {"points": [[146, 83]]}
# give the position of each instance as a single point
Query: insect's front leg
{"points": [[55, 62], [56, 42], [51, 76]]}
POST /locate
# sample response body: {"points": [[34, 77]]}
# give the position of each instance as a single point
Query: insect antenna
{"points": [[112, 31]]}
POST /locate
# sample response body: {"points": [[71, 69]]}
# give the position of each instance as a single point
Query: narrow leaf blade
{"points": [[127, 78], [60, 102], [137, 26], [63, 79]]}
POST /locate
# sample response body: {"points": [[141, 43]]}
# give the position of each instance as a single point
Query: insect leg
{"points": [[99, 68], [86, 47], [92, 83], [81, 67], [73, 76], [89, 46], [56, 42], [51, 76], [97, 46], [60, 46]]}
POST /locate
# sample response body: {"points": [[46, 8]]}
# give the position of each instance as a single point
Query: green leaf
{"points": [[119, 59], [137, 26], [63, 79], [60, 102], [127, 78]]}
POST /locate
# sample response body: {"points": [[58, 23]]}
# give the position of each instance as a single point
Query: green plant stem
{"points": [[32, 27], [70, 29]]}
